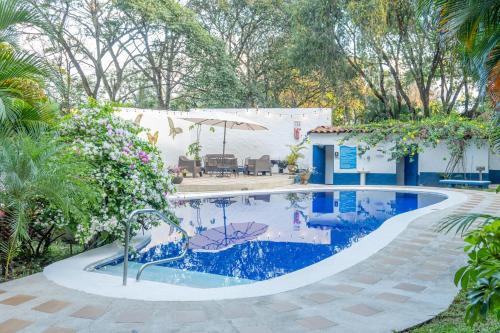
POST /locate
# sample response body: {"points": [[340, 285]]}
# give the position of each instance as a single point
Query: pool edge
{"points": [[70, 272]]}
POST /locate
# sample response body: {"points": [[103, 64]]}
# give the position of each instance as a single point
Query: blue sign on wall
{"points": [[348, 157]]}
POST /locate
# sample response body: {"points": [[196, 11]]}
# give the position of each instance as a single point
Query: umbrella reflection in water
{"points": [[219, 238]]}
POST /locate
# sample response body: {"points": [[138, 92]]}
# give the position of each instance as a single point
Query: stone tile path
{"points": [[407, 282]]}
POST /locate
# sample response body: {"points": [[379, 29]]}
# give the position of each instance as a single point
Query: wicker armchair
{"points": [[262, 165], [190, 165]]}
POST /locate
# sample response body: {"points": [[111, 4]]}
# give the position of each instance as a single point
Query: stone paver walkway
{"points": [[407, 282]]}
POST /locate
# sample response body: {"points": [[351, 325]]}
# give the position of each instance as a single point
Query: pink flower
{"points": [[144, 157]]}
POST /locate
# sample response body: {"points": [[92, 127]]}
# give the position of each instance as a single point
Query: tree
{"points": [[94, 35], [476, 25], [179, 57], [254, 36], [389, 45]]}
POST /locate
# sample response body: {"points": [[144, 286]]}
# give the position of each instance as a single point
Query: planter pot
{"points": [[177, 179], [304, 178], [292, 169]]}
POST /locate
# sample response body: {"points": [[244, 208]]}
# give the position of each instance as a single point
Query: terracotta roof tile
{"points": [[330, 129], [335, 130]]}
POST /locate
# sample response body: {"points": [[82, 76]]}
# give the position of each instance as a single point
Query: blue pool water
{"points": [[244, 239]]}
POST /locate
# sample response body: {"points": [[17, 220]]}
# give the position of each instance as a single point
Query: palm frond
{"points": [[20, 65], [461, 224], [475, 25], [14, 12]]}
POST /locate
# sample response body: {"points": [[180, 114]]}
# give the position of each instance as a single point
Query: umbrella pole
{"points": [[224, 150], [225, 226]]}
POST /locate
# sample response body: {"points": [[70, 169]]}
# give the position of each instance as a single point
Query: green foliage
{"points": [[127, 169], [475, 25], [480, 278], [194, 150], [451, 321], [12, 13], [211, 79], [23, 104], [43, 193], [296, 152]]}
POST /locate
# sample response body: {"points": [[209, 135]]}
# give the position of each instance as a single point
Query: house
{"points": [[340, 161]]}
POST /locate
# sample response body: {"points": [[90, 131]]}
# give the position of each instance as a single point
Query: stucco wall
{"points": [[437, 159], [280, 122]]}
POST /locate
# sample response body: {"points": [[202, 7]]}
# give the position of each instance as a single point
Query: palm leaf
{"points": [[461, 224]]}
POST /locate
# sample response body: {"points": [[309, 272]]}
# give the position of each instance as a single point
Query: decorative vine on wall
{"points": [[411, 137]]}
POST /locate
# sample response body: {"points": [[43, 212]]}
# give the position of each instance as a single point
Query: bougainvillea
{"points": [[127, 168]]}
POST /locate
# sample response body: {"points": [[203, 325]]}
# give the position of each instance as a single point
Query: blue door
{"points": [[318, 177], [411, 170]]}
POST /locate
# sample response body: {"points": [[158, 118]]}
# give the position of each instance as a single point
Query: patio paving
{"points": [[210, 183], [376, 295]]}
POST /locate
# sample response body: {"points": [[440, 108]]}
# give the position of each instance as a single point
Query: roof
{"points": [[330, 130]]}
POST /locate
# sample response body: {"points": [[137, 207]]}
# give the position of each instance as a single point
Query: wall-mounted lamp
{"points": [[336, 154]]}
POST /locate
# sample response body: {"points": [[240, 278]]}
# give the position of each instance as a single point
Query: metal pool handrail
{"points": [[127, 240]]}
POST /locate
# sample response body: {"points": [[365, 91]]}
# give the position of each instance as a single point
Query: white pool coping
{"points": [[72, 272]]}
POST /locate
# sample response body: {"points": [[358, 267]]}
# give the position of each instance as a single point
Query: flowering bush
{"points": [[127, 168]]}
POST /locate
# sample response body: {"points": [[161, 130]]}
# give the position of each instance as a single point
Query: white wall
{"points": [[494, 161], [374, 160], [436, 159], [273, 142]]}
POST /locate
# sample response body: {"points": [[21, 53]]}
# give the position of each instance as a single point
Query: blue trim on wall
{"points": [[433, 178], [495, 176], [346, 178], [381, 179], [371, 179]]}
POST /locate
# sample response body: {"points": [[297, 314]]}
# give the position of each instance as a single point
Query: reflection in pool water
{"points": [[244, 239]]}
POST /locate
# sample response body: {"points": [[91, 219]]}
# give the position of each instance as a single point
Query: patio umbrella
{"points": [[215, 239], [225, 120]]}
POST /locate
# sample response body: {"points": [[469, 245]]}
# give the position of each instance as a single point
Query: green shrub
{"points": [[480, 278], [43, 195]]}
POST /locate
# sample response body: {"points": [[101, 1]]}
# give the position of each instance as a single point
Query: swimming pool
{"points": [[245, 239]]}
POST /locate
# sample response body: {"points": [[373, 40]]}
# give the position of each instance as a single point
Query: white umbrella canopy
{"points": [[220, 119], [225, 120]]}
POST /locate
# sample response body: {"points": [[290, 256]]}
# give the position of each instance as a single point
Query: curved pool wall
{"points": [[246, 239], [71, 272]]}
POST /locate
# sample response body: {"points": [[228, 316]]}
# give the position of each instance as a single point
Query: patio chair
{"points": [[190, 165], [262, 165]]}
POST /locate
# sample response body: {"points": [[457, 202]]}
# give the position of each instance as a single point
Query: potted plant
{"points": [[184, 172], [282, 165], [294, 155], [194, 150], [178, 178], [305, 175]]}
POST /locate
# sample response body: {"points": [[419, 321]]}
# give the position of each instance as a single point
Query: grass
{"points": [[451, 321]]}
